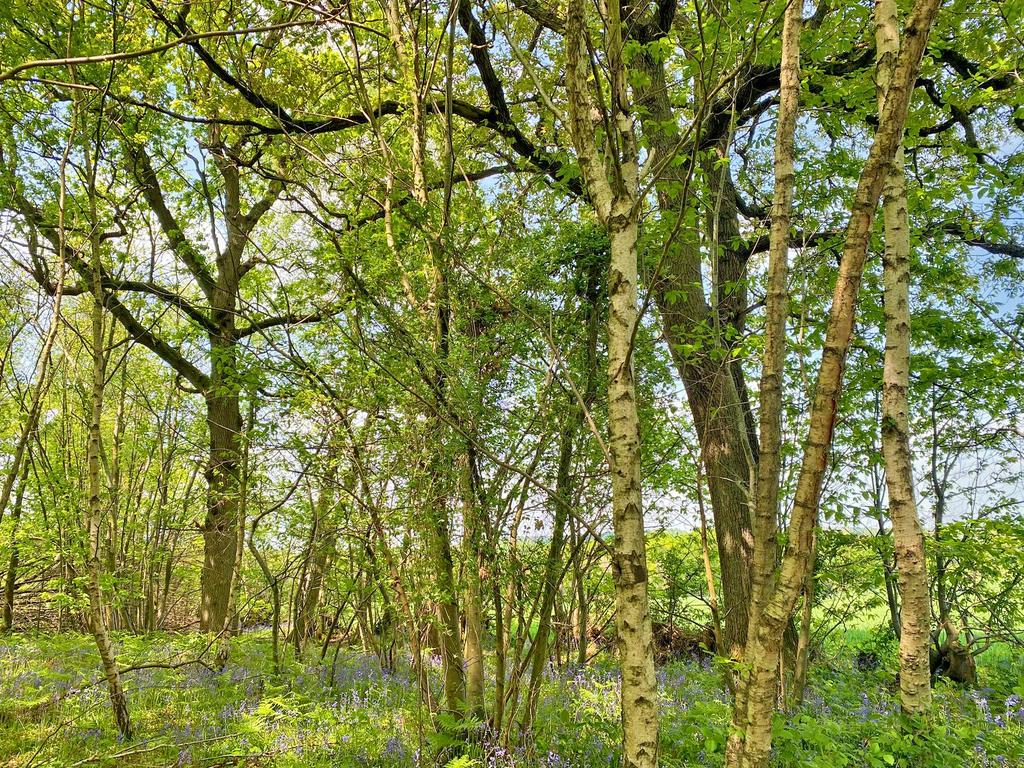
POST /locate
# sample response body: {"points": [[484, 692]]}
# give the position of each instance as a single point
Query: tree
{"points": [[613, 183], [908, 537], [750, 743]]}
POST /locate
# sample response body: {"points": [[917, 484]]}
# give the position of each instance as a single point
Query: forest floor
{"points": [[349, 713]]}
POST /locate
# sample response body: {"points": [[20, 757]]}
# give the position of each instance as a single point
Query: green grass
{"points": [[351, 715]]}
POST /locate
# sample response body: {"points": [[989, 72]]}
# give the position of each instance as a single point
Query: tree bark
{"points": [[473, 511], [224, 421], [766, 486], [11, 580], [437, 311], [94, 512], [908, 537], [232, 623], [613, 183], [750, 743], [553, 570], [223, 414], [710, 386], [324, 551]]}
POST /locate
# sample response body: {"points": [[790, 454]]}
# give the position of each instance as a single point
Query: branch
{"points": [[260, 207], [292, 318], [467, 178], [797, 239], [547, 17], [287, 123], [182, 247], [139, 332], [164, 294], [1010, 248], [499, 117], [127, 55]]}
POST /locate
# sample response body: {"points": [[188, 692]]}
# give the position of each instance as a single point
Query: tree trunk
{"points": [[908, 537], [709, 383], [760, 680], [11, 580], [232, 622], [224, 421], [613, 184], [94, 512], [437, 311], [324, 550], [474, 568], [750, 743], [552, 570], [581, 619], [795, 693], [223, 410], [629, 564]]}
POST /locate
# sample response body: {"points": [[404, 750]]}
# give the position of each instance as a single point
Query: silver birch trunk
{"points": [[908, 537]]}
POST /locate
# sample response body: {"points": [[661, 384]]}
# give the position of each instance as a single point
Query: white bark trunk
{"points": [[612, 180], [908, 537], [764, 648]]}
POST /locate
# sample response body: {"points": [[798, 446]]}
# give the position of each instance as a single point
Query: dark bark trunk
{"points": [[688, 322], [224, 421], [11, 580]]}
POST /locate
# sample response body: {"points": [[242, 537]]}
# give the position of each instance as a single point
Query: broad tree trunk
{"points": [[224, 421], [223, 410], [710, 385], [908, 537], [231, 621]]}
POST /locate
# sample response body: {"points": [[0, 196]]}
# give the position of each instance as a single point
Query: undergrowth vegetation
{"points": [[344, 711]]}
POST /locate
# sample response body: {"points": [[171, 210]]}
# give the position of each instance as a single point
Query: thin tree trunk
{"points": [[97, 608], [709, 578], [275, 595], [798, 685], [552, 571], [581, 617], [750, 743], [766, 487], [617, 204], [324, 551], [438, 306], [11, 580], [42, 380], [474, 614], [908, 537]]}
